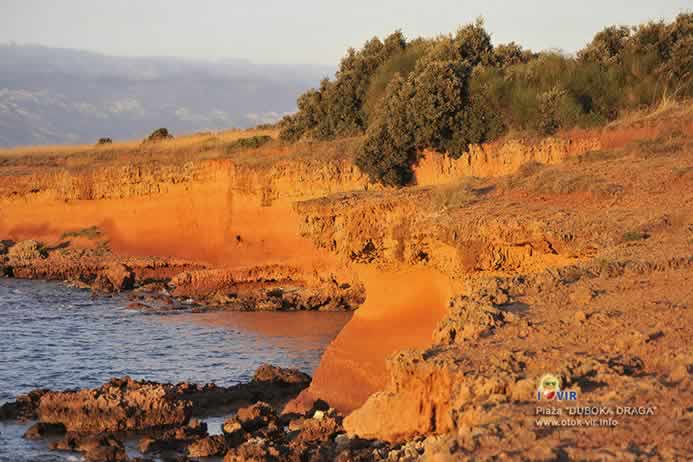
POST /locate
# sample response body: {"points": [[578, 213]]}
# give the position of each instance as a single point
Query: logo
{"points": [[550, 390]]}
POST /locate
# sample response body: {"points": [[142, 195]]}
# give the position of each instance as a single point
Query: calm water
{"points": [[60, 338]]}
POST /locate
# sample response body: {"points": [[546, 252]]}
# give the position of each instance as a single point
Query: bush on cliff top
{"points": [[252, 142], [460, 89], [160, 134]]}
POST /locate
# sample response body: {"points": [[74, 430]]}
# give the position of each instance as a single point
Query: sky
{"points": [[305, 31]]}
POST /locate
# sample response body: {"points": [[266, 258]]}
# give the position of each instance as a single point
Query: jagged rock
{"points": [[149, 444], [256, 450], [114, 278], [269, 374], [234, 433], [427, 389], [494, 290], [210, 446], [119, 405], [26, 250], [626, 365], [469, 318], [322, 427], [254, 417]]}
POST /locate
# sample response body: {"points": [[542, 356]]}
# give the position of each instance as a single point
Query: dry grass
{"points": [[245, 147], [344, 149], [193, 142], [537, 178], [461, 193], [179, 150], [668, 108]]}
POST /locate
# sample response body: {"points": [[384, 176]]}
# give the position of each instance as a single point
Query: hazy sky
{"points": [[305, 31]]}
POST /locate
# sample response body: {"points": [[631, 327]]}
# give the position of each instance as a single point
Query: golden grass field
{"points": [[181, 149]]}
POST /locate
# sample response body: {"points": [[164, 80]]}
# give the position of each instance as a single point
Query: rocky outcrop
{"points": [[121, 405], [166, 284], [281, 377], [162, 413], [269, 288], [24, 408], [428, 391], [592, 257], [127, 405]]}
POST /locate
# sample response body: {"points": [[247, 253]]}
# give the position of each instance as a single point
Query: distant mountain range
{"points": [[52, 95]]}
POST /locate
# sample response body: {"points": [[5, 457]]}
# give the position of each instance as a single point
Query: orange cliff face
{"points": [[217, 215], [401, 310], [226, 216]]}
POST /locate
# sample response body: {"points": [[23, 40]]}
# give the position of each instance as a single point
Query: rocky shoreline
{"points": [[165, 420], [158, 285]]}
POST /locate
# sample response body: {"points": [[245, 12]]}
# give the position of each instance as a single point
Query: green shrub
{"points": [[389, 149], [457, 90], [630, 236], [402, 63], [252, 142], [160, 134]]}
